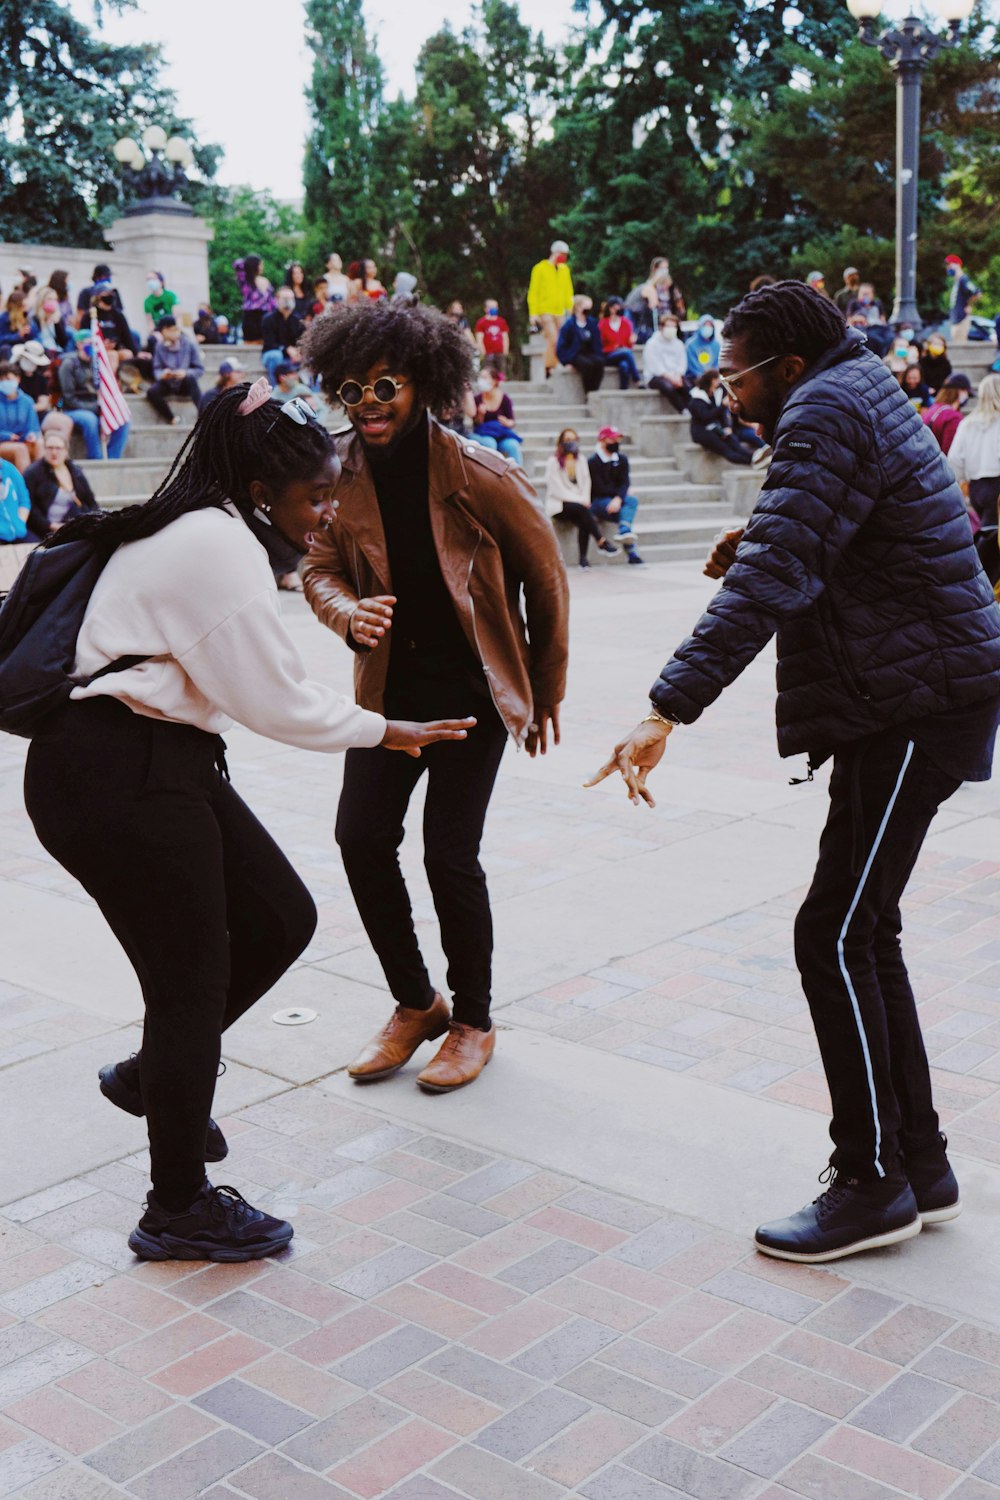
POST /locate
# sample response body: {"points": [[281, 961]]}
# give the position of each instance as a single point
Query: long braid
{"points": [[224, 452], [786, 318]]}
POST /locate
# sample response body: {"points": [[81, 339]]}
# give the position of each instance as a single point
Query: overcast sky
{"points": [[240, 71]]}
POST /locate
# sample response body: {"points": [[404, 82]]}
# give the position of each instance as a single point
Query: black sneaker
{"points": [[116, 1087], [634, 557], [934, 1185], [847, 1217], [608, 546], [219, 1225], [585, 562]]}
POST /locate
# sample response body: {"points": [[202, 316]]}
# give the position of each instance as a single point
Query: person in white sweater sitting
{"points": [[127, 787], [567, 494], [665, 362]]}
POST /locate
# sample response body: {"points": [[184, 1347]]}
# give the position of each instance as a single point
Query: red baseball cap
{"points": [[953, 260], [608, 435]]}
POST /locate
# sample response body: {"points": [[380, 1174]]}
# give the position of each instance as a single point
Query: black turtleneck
{"points": [[426, 637]]}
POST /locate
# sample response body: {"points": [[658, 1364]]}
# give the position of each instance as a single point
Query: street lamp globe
{"points": [[126, 151], [178, 150], [154, 138], [955, 10], [867, 10]]}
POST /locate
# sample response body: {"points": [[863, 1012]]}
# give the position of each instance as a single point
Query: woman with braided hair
{"points": [[859, 556], [127, 786]]}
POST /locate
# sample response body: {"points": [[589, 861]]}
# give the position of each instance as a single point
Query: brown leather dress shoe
{"points": [[461, 1057], [396, 1043]]}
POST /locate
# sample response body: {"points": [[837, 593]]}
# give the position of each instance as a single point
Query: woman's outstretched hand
{"points": [[400, 734]]}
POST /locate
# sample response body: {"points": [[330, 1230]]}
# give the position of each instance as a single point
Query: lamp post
{"points": [[153, 183], [908, 48]]}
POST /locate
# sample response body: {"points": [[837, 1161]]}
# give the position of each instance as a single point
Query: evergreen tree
{"points": [[249, 222], [65, 98]]}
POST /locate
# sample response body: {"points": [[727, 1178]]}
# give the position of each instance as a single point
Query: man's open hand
{"points": [[634, 757]]}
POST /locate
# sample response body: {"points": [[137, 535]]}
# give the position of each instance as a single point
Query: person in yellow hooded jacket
{"points": [[550, 297]]}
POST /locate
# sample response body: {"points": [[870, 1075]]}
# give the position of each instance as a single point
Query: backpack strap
{"points": [[121, 665]]}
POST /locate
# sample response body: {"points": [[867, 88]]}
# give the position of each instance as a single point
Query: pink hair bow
{"points": [[258, 393]]}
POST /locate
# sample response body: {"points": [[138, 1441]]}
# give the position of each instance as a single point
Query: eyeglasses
{"points": [[385, 390], [728, 381], [298, 409]]}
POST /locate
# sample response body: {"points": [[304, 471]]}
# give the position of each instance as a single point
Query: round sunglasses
{"points": [[384, 390]]}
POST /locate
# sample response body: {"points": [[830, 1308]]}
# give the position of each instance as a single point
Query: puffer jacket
{"points": [[860, 557]]}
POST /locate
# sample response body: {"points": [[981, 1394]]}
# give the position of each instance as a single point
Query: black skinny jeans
{"points": [[676, 395], [161, 389], [723, 443], [378, 785], [205, 904], [884, 793], [585, 521]]}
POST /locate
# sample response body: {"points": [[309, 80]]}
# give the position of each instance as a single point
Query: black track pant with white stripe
{"points": [[884, 792]]}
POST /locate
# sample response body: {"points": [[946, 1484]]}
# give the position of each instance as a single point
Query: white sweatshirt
{"points": [[975, 450], [665, 357], [559, 487], [199, 598]]}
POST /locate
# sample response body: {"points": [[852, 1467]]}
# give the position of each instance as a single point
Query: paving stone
{"points": [[975, 1489], [849, 1316], [819, 1479], [622, 1393], [489, 1181], [528, 1426], [420, 1487], [781, 1435], [719, 1415], [425, 1395], [272, 1476], [618, 1483], [585, 1447], [55, 1287], [187, 1474], [679, 1375], [828, 1357], [55, 1359], [751, 1291], [973, 1375], [261, 1319], [37, 1204], [25, 1462], [415, 1304], [906, 1404], [658, 1243], [387, 1356], [468, 1217], [425, 1234], [484, 1476], [152, 1442], [807, 1387], [59, 1418], [619, 1212], [70, 1483], [384, 1271], [350, 1331], [906, 1334], [962, 1434], [692, 1473], [466, 1286], [392, 1458], [563, 1350], [254, 1411], [300, 1384], [582, 1231], [449, 1153], [207, 1366], [913, 1473], [483, 1377], [374, 1143], [337, 1437], [546, 1266], [989, 1467], [512, 1331], [21, 1339]]}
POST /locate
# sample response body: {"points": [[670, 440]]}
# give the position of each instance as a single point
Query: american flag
{"points": [[114, 411]]}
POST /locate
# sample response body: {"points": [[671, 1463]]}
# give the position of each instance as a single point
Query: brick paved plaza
{"points": [[543, 1286]]}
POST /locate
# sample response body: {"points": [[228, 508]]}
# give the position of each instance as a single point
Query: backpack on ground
{"points": [[40, 620]]}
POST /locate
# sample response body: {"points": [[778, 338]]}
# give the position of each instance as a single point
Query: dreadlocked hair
{"points": [[224, 452], [418, 342], [786, 318]]}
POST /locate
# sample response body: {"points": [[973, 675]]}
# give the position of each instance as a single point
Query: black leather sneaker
{"points": [[934, 1185], [116, 1086], [847, 1217], [219, 1225]]}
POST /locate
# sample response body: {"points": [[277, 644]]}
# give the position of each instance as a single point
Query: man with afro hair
{"points": [[436, 541]]}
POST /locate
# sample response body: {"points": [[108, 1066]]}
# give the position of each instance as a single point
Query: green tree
{"points": [[248, 222], [65, 98]]}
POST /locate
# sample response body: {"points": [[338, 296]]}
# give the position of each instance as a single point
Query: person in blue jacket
{"points": [[702, 350], [15, 504], [579, 344], [859, 556]]}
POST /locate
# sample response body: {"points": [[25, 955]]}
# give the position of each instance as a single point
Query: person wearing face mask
{"points": [[282, 329], [160, 302], [617, 341], [52, 334], [120, 342], [550, 298], [79, 398], [493, 335], [567, 494], [579, 345], [494, 421], [702, 349], [20, 435], [962, 296], [945, 413], [610, 498], [177, 363], [935, 366], [849, 291], [35, 369], [665, 363]]}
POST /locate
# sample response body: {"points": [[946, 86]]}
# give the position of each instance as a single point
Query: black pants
{"points": [[586, 523], [884, 792], [161, 389], [676, 395], [723, 443], [205, 904], [590, 368], [378, 785]]}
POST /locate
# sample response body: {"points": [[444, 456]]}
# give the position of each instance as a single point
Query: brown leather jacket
{"points": [[492, 540]]}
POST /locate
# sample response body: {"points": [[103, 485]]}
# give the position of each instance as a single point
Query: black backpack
{"points": [[40, 619]]}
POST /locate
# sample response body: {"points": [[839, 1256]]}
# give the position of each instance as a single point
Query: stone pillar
{"points": [[174, 243]]}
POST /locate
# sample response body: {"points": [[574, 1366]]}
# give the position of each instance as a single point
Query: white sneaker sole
{"points": [[942, 1215], [877, 1242]]}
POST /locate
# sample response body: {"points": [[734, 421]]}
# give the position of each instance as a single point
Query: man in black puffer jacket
{"points": [[859, 556]]}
